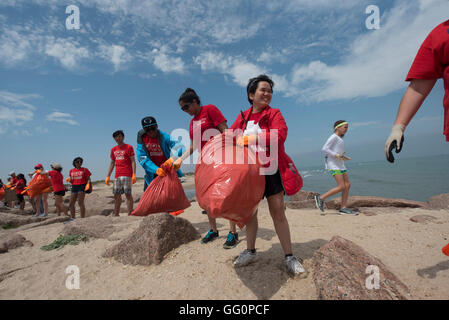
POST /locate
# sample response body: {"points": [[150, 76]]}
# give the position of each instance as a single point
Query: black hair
{"points": [[21, 176], [189, 95], [58, 169], [76, 159], [338, 122], [254, 82], [117, 133]]}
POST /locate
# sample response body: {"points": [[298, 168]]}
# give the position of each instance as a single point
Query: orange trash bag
{"points": [[227, 188], [446, 250], [163, 194], [2, 193], [39, 184]]}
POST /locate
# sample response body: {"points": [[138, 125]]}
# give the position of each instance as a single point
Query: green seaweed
{"points": [[61, 241], [9, 226]]}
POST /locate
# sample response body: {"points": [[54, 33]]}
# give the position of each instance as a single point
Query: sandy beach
{"points": [[412, 251]]}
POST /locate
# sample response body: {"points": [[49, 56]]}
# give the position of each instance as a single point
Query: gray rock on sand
{"points": [[340, 269], [440, 201], [156, 235], [13, 241], [302, 200], [365, 201], [423, 218]]}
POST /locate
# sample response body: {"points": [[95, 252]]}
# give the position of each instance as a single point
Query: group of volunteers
{"points": [[157, 150]]}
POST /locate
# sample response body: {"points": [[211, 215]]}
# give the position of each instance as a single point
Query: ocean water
{"points": [[410, 178]]}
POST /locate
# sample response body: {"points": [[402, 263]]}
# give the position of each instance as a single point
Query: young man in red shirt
{"points": [[122, 158], [430, 64]]}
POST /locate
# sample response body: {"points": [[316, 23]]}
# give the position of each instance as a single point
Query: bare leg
{"points": [[58, 205], [44, 200], [213, 223], [339, 188], [277, 212], [129, 203], [251, 232], [117, 204], [232, 226], [345, 193], [37, 200], [73, 198], [81, 196]]}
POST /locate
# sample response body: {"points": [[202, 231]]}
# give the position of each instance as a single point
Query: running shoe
{"points": [[43, 215], [245, 258], [210, 236], [231, 240], [204, 212], [319, 203], [347, 211], [293, 265]]}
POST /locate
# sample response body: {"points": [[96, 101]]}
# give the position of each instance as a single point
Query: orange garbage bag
{"points": [[163, 194], [39, 184], [228, 183], [446, 250], [2, 193]]}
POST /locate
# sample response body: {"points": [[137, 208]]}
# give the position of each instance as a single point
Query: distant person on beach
{"points": [[79, 177], [334, 148], [58, 188], [12, 183], [430, 64], [20, 187], [154, 147], [42, 198], [122, 158], [286, 180], [204, 118]]}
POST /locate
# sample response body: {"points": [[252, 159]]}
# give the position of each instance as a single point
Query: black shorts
{"points": [[60, 193], [78, 188], [20, 198], [273, 185]]}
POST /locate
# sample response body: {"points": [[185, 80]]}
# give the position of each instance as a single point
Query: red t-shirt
{"points": [[208, 118], [122, 157], [432, 62], [56, 180], [255, 117], [20, 186], [13, 181], [155, 150], [79, 176]]}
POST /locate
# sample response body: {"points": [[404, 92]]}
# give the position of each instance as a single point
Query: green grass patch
{"points": [[8, 226], [61, 241]]}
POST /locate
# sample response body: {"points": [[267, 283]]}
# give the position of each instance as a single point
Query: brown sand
{"points": [[197, 271]]}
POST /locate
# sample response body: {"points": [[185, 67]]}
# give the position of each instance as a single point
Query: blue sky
{"points": [[63, 92]]}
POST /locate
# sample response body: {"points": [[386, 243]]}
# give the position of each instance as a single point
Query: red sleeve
{"points": [[215, 115], [237, 123], [276, 122], [87, 173], [130, 151], [427, 64], [191, 129]]}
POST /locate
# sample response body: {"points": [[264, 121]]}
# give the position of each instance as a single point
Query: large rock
{"points": [[364, 201], [156, 235], [15, 220], [12, 241], [423, 218], [340, 269], [302, 200], [440, 201], [96, 226]]}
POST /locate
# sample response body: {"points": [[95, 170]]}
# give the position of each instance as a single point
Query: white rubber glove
{"points": [[394, 141]]}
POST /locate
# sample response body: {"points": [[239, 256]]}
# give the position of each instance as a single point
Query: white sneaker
{"points": [[245, 258], [293, 265]]}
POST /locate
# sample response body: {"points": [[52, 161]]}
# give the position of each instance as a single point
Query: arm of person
{"points": [[111, 167], [145, 160], [222, 126], [414, 96], [327, 148]]}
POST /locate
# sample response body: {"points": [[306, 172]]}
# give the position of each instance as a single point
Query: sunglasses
{"points": [[186, 107], [152, 128]]}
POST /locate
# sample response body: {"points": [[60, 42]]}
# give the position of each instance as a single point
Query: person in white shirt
{"points": [[334, 148]]}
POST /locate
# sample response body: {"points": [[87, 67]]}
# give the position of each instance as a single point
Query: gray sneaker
{"points": [[347, 211], [245, 258], [319, 203], [293, 265]]}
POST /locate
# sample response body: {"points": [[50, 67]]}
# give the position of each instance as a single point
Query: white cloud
{"points": [[378, 61], [15, 110], [68, 52], [57, 116], [166, 63], [116, 54]]}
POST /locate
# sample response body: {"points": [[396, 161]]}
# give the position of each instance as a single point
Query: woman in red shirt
{"points": [[79, 177], [58, 188], [204, 118], [267, 124]]}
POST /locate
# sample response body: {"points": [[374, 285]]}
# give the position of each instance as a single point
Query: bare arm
{"points": [[133, 164], [111, 167], [412, 99], [222, 126]]}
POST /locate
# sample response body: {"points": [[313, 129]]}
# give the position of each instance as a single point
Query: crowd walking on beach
{"points": [[259, 126]]}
